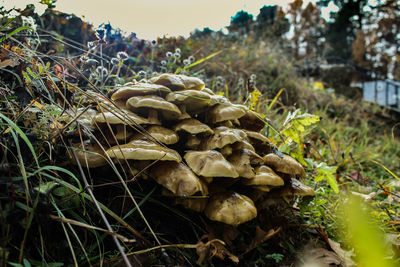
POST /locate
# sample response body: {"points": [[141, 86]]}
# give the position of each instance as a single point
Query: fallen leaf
{"points": [[220, 251], [8, 63], [319, 257], [364, 197], [214, 247], [345, 256]]}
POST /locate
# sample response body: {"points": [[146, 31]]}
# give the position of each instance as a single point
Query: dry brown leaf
{"points": [[319, 257], [344, 255], [220, 251], [8, 63], [213, 248]]}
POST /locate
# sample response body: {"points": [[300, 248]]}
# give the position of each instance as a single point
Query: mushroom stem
{"points": [[153, 116], [122, 134]]}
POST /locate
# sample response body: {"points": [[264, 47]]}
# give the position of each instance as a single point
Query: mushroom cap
{"points": [[161, 134], [193, 99], [259, 141], [218, 99], [178, 178], [89, 154], [223, 136], [264, 176], [178, 82], [230, 208], [252, 121], [208, 91], [143, 150], [242, 160], [256, 136], [297, 188], [139, 89], [243, 144], [225, 112], [193, 126], [116, 117], [85, 119], [287, 164], [153, 102], [228, 124], [210, 163]]}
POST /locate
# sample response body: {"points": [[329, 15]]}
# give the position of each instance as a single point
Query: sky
{"points": [[152, 18]]}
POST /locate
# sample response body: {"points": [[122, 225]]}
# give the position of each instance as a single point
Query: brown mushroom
{"points": [[263, 188], [218, 99], [243, 145], [151, 102], [139, 89], [226, 151], [223, 136], [242, 160], [178, 178], [287, 164], [125, 118], [208, 91], [178, 82], [256, 136], [225, 112], [85, 116], [192, 142], [122, 133], [178, 117], [159, 133], [143, 150], [230, 208], [193, 126], [89, 155], [264, 176], [296, 188], [252, 121], [193, 100], [259, 141], [210, 163]]}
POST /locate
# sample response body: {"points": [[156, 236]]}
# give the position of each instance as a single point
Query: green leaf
{"points": [[2, 39], [325, 172], [298, 153], [15, 264], [46, 187], [296, 123], [27, 263]]}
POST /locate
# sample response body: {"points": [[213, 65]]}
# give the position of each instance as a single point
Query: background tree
{"points": [[342, 31], [307, 30], [271, 23], [377, 43], [241, 21]]}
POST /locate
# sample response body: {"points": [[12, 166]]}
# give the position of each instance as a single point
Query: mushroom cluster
{"points": [[206, 152]]}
